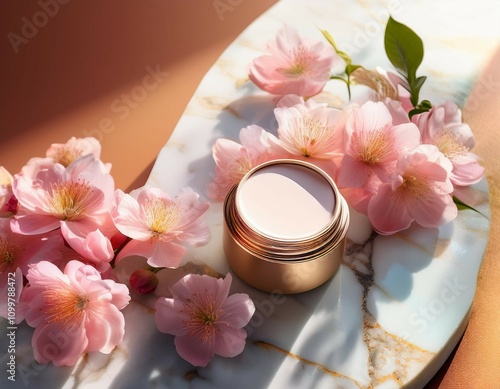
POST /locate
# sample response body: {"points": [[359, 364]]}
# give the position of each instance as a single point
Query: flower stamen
{"points": [[66, 155], [450, 144], [69, 199], [64, 305], [299, 64], [161, 217], [414, 186], [374, 148], [203, 314], [8, 254], [238, 168]]}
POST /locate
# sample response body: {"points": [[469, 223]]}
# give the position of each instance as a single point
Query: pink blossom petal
{"points": [[63, 345], [105, 328], [195, 352], [159, 225], [167, 254], [88, 241], [231, 342], [169, 316], [196, 234], [238, 310], [387, 214], [352, 173], [420, 192], [254, 138], [469, 173], [119, 294], [74, 148], [204, 319], [72, 312], [127, 218], [436, 211], [357, 198], [33, 224], [158, 253], [292, 65]]}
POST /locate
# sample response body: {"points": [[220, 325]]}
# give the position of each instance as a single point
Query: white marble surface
{"points": [[397, 306]]}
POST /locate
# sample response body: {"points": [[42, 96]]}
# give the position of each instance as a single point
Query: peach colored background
{"points": [[72, 75]]}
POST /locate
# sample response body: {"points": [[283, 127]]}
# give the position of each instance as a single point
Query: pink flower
{"points": [[420, 192], [204, 319], [294, 65], [159, 225], [19, 251], [73, 312], [8, 202], [359, 198], [309, 130], [67, 153], [404, 96], [233, 160], [443, 127], [378, 81], [373, 144], [76, 199]]}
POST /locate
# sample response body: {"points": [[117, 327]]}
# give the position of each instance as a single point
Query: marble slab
{"points": [[397, 306]]}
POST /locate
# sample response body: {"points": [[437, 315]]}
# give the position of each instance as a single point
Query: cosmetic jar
{"points": [[284, 227]]}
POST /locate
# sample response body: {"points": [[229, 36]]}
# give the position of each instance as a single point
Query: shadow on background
{"points": [[71, 59], [88, 48]]}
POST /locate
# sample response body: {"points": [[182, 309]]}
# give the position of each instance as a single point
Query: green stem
{"points": [[347, 83]]}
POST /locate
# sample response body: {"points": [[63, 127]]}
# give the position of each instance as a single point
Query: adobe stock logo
{"points": [[223, 6], [424, 317], [363, 37], [31, 27]]}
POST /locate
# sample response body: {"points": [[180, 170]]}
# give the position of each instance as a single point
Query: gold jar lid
{"points": [[285, 213]]}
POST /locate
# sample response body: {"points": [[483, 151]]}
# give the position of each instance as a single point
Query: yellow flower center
{"points": [[374, 147], [8, 254], [69, 200], [312, 134], [161, 217], [66, 155], [238, 168], [203, 314], [413, 186], [298, 66], [64, 305], [295, 70], [450, 145]]}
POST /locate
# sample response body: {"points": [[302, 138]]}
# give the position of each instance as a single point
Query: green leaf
{"points": [[350, 68], [424, 106], [416, 111], [415, 89], [329, 38], [341, 54], [404, 49], [463, 206]]}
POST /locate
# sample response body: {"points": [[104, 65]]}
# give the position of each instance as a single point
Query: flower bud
{"points": [[144, 281]]}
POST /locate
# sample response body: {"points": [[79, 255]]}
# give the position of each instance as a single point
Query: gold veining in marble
{"points": [[389, 356], [87, 371], [227, 66], [177, 145], [214, 103], [323, 368]]}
